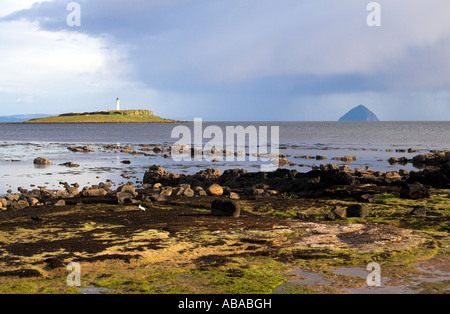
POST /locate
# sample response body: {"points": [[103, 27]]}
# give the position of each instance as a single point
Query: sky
{"points": [[227, 60]]}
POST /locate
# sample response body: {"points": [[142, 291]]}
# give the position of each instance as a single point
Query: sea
{"points": [[373, 143]]}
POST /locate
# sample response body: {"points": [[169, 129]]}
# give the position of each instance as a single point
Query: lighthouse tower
{"points": [[117, 104]]}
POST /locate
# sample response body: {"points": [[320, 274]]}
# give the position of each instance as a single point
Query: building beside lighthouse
{"points": [[117, 104]]}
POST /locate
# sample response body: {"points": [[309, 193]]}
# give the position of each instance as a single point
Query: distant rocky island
{"points": [[360, 113], [111, 116]]}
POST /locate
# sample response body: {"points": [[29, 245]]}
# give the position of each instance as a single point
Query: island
{"points": [[111, 116], [360, 113]]}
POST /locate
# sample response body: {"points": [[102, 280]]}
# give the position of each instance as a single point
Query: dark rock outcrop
{"points": [[359, 211], [225, 208], [415, 191]]}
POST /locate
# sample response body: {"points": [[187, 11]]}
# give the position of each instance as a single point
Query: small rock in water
{"points": [[42, 161]]}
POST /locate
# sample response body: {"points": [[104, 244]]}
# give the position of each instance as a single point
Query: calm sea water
{"points": [[20, 144]]}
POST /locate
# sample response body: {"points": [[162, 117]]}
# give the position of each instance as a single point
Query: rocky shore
{"points": [[232, 231], [328, 179]]}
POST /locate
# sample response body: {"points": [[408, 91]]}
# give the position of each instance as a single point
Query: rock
{"points": [[19, 204], [207, 175], [156, 174], [33, 201], [94, 193], [12, 197], [403, 172], [42, 161], [127, 188], [419, 211], [395, 161], [188, 192], [282, 162], [63, 194], [214, 190], [4, 202], [225, 208], [60, 203], [73, 191], [393, 175], [307, 157], [234, 196], [157, 198], [258, 191], [436, 158], [359, 211], [346, 158], [200, 191], [415, 191], [166, 192], [370, 198], [125, 198], [80, 149], [302, 216], [158, 150], [319, 157], [336, 213], [70, 164]]}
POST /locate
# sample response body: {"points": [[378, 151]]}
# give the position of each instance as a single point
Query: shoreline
{"points": [[282, 182], [233, 232]]}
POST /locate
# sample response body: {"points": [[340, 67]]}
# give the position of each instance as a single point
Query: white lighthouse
{"points": [[117, 104]]}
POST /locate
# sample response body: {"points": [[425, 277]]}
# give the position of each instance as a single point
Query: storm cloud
{"points": [[236, 59]]}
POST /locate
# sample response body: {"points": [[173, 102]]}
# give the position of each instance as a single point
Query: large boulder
{"points": [[214, 190], [225, 208], [415, 191]]}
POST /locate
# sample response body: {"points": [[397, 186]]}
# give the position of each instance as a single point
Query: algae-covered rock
{"points": [[336, 213], [225, 208], [359, 211], [415, 191]]}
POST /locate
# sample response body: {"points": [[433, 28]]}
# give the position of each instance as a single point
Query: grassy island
{"points": [[112, 116]]}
